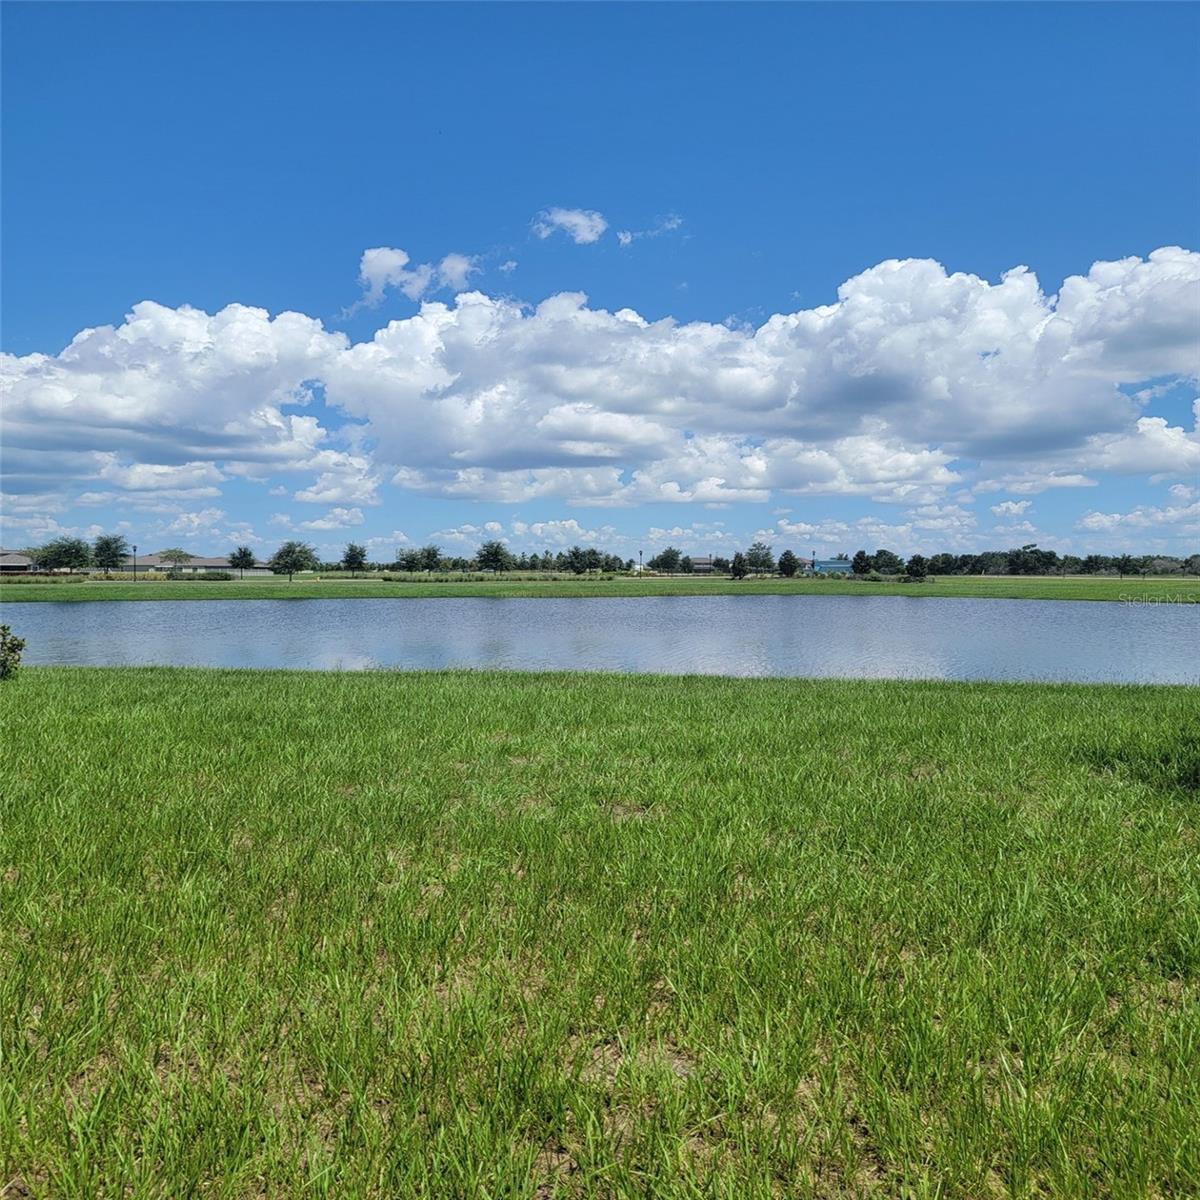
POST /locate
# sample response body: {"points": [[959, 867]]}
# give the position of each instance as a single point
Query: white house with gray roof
{"points": [[194, 565]]}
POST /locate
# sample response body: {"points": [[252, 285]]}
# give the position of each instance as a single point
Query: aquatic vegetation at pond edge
{"points": [[466, 934]]}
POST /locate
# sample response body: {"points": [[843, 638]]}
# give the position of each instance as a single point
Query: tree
{"points": [[67, 552], [429, 558], [175, 556], [789, 564], [667, 560], [686, 566], [242, 558], [292, 557], [494, 556], [109, 551], [1029, 560], [917, 567], [1124, 565], [759, 558], [354, 557], [720, 565], [887, 563], [739, 568], [861, 563]]}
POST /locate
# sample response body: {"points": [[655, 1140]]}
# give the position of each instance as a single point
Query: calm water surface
{"points": [[868, 637]]}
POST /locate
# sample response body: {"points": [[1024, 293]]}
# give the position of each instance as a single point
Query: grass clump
{"points": [[458, 934], [11, 649]]}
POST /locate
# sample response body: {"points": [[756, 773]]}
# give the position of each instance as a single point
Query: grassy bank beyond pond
{"points": [[378, 935], [1168, 590]]}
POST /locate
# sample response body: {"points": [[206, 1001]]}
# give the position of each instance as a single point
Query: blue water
{"points": [[877, 637]]}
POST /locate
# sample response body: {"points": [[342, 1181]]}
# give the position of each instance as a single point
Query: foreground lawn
{"points": [[1172, 590], [468, 935]]}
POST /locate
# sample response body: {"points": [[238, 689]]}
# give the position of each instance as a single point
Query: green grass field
{"points": [[1175, 589], [474, 935]]}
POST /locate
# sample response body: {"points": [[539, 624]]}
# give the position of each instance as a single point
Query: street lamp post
{"points": [[135, 564], [639, 562]]}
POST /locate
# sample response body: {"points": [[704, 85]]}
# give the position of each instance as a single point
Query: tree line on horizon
{"points": [[109, 552]]}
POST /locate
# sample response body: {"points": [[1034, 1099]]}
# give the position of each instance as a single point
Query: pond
{"points": [[876, 637]]}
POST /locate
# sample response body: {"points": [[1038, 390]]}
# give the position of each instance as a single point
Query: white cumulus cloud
{"points": [[335, 518], [913, 385], [387, 267], [583, 226], [1011, 508]]}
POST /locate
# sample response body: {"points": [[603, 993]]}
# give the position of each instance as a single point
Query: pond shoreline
{"points": [[1160, 590], [798, 636]]}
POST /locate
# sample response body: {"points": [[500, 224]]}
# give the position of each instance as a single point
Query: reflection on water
{"points": [[865, 637]]}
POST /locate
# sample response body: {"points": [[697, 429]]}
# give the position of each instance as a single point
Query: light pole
{"points": [[814, 562], [639, 562], [135, 564]]}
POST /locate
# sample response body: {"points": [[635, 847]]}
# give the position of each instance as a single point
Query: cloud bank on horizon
{"points": [[915, 388]]}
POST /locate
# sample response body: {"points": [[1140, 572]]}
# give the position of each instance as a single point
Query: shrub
{"points": [[10, 653], [147, 575], [874, 577], [32, 577], [212, 575]]}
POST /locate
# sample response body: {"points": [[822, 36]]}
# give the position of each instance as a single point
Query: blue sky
{"points": [[708, 177]]}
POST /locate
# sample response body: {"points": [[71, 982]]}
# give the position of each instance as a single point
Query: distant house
{"points": [[194, 565], [702, 565], [12, 563]]}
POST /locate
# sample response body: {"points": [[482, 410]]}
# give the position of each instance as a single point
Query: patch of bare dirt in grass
{"points": [[605, 1060], [83, 1086], [553, 1164], [706, 1149], [628, 811], [304, 1105], [871, 1175], [280, 908], [661, 998], [1168, 995], [680, 1062], [603, 1063]]}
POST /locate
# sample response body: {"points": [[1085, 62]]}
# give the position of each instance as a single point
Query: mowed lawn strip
{"points": [[383, 935], [1170, 590]]}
